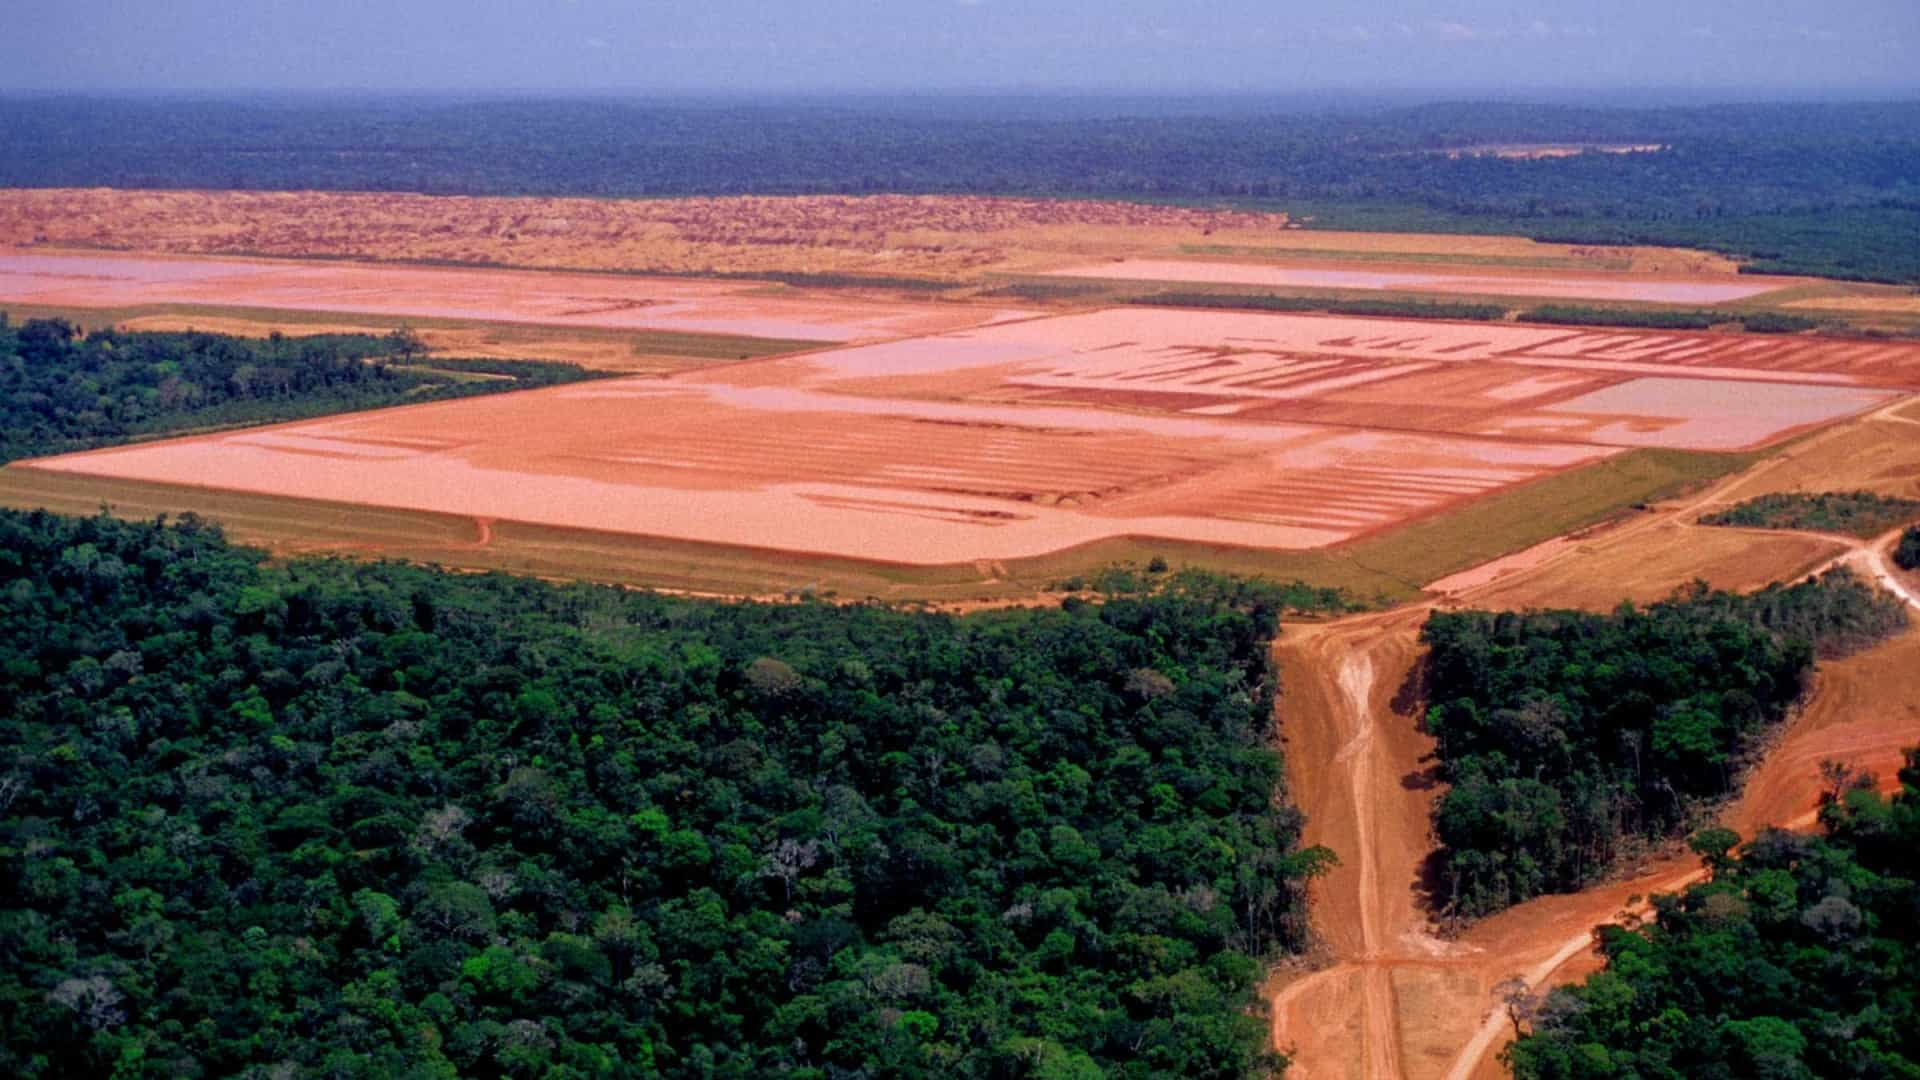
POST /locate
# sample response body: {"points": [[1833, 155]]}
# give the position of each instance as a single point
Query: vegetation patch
{"points": [[1855, 513], [529, 337], [1415, 309], [1906, 555], [1757, 322], [379, 819], [1794, 960], [61, 391], [1305, 254], [1568, 738], [1050, 291]]}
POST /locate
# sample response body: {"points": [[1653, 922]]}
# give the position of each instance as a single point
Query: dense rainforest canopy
{"points": [[350, 819], [1567, 738], [1831, 189], [61, 390], [1797, 960]]}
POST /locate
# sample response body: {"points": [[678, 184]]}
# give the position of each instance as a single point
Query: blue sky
{"points": [[1789, 47]]}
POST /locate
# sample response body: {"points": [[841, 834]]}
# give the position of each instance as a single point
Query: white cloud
{"points": [[1447, 30], [1350, 34]]}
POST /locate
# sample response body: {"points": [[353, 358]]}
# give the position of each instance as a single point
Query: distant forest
{"points": [[1830, 189]]}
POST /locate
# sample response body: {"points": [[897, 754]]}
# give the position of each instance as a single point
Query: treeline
{"points": [[1265, 599], [1855, 513], [1796, 960], [1753, 322], [1568, 739], [62, 391], [1871, 242], [1906, 554], [1830, 189], [1404, 309], [378, 820]]}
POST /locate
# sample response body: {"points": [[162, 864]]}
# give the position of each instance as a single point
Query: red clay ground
{"points": [[604, 301], [1684, 391], [802, 470], [1584, 285], [1033, 436]]}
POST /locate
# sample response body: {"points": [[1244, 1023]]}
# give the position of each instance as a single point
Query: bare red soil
{"points": [[1683, 391], [1021, 438], [604, 301], [1551, 284], [804, 470], [939, 236]]}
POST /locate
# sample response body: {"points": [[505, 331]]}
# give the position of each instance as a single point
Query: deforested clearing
{"points": [[1022, 438]]}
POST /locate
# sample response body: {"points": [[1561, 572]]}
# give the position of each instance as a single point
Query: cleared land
{"points": [[946, 238], [1675, 390], [1004, 447], [907, 482], [1597, 575], [592, 301], [1554, 284]]}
